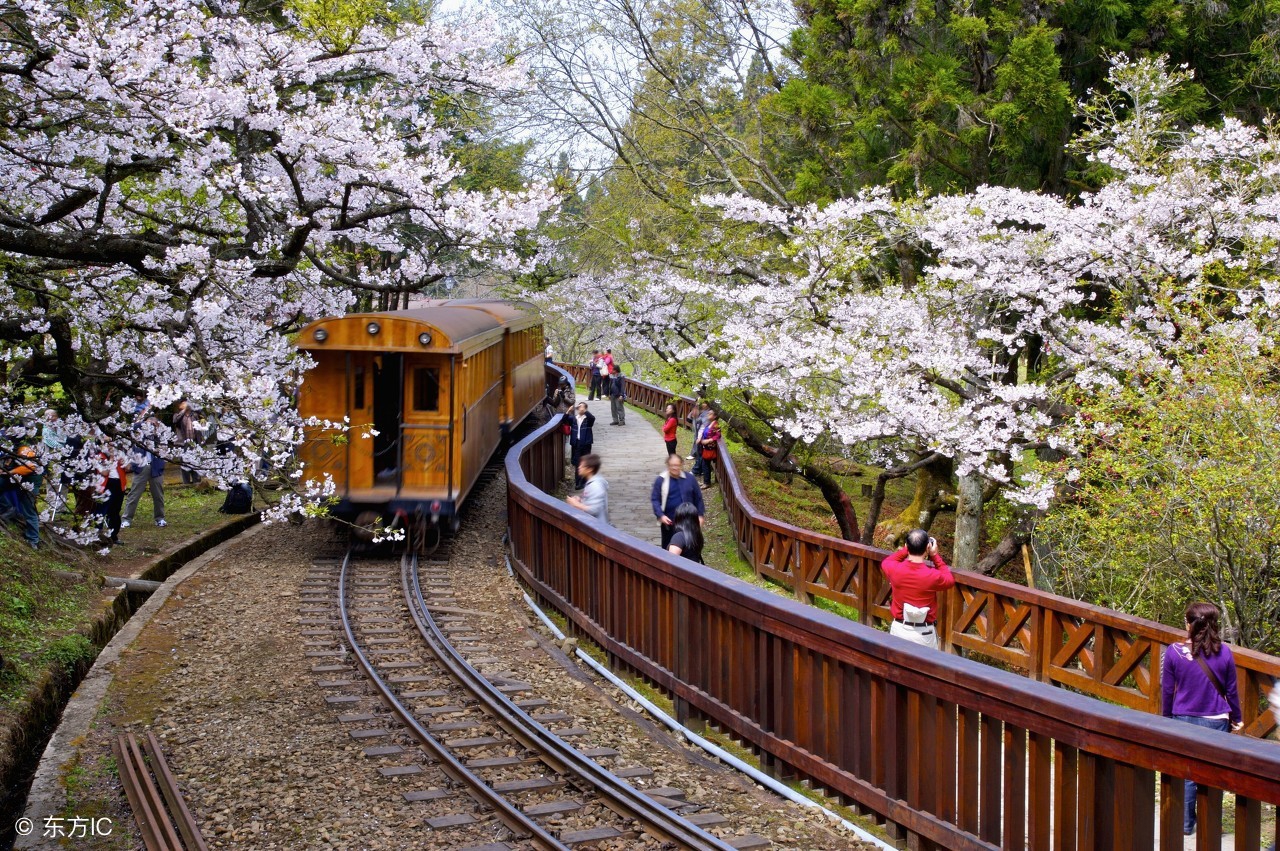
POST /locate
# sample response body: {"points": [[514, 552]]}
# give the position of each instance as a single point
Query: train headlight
{"points": [[424, 338], [321, 335], [373, 328]]}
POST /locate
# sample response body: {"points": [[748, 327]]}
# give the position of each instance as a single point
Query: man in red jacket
{"points": [[916, 584]]}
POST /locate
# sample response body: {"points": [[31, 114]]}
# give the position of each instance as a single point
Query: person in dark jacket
{"points": [[581, 436], [1198, 685], [617, 386], [671, 490], [596, 389]]}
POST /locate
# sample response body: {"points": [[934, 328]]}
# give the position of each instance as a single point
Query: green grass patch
{"points": [[47, 597], [40, 612]]}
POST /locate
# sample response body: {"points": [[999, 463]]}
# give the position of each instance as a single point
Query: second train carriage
{"points": [[428, 394]]}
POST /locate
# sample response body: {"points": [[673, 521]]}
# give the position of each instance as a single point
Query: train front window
{"points": [[426, 389], [358, 380]]}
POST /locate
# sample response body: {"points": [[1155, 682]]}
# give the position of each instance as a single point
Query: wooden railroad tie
{"points": [[158, 808]]}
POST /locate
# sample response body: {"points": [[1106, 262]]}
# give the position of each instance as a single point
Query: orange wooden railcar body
{"points": [[419, 399]]}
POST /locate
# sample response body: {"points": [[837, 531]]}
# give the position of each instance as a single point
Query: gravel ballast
{"points": [[222, 677]]}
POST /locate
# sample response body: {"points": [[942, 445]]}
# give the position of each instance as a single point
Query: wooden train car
{"points": [[428, 394]]}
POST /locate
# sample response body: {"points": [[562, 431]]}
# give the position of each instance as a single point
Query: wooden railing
{"points": [[946, 751], [1097, 651]]}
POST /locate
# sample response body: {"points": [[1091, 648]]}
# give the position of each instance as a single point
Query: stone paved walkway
{"points": [[631, 456]]}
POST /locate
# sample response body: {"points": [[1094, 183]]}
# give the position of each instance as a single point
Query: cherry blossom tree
{"points": [[953, 327], [183, 184]]}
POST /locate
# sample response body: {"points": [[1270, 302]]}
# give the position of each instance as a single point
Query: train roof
{"points": [[452, 328], [518, 313]]}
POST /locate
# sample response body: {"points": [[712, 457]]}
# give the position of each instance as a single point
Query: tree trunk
{"points": [[968, 521], [824, 481], [1009, 546], [934, 493]]}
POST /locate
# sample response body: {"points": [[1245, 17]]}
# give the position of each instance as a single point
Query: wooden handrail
{"points": [[949, 752], [1102, 652]]}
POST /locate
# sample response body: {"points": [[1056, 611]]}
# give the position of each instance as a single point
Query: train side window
{"points": [[357, 403], [426, 389]]}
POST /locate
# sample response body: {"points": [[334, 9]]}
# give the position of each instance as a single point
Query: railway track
{"points": [[491, 763]]}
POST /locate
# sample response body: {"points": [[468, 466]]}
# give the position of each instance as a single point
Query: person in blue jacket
{"points": [[581, 422], [671, 490]]}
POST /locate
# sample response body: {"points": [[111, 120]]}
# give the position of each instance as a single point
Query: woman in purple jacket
{"points": [[1199, 686]]}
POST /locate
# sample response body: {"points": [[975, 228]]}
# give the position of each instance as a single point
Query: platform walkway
{"points": [[631, 456]]}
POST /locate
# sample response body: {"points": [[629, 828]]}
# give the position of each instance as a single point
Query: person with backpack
{"points": [[673, 488], [1198, 685]]}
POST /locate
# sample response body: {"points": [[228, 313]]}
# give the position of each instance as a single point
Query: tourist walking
{"points": [[581, 436], [672, 489], [686, 535], [916, 583], [708, 446], [617, 398], [595, 490], [669, 426], [1198, 685]]}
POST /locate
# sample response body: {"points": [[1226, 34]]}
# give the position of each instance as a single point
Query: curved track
{"points": [[518, 754]]}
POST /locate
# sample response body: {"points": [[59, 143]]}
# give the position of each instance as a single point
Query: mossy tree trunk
{"points": [[934, 492]]}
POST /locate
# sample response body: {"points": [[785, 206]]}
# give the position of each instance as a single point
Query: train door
{"points": [[427, 424], [322, 397], [388, 402], [360, 416]]}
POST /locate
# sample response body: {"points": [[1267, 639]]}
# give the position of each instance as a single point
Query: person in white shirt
{"points": [[595, 493]]}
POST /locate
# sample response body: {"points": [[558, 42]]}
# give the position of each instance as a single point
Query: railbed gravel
{"points": [[220, 675]]}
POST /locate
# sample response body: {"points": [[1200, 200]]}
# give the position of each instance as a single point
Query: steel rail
{"points": [[524, 826], [618, 795]]}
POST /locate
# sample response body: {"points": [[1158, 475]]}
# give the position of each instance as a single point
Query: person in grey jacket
{"points": [[148, 474], [595, 493]]}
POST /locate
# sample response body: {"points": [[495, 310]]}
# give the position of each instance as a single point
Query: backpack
{"points": [[239, 499]]}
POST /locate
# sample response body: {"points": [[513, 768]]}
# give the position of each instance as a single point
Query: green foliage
{"points": [[940, 98], [1178, 495], [337, 24], [71, 651]]}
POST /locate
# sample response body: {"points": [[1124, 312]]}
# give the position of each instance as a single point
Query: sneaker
{"points": [[124, 524], [161, 523], [688, 457]]}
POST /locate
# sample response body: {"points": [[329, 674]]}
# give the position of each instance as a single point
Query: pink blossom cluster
{"points": [[183, 185], [901, 326]]}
